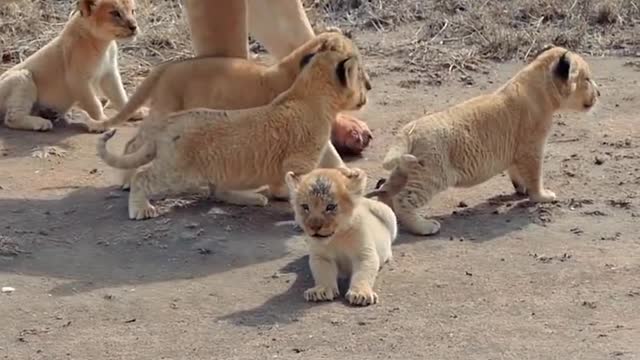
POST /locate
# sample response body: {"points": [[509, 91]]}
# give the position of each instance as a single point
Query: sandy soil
{"points": [[504, 279]]}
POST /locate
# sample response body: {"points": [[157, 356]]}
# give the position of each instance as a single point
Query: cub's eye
{"points": [[331, 207], [587, 79], [305, 207], [133, 11], [116, 14]]}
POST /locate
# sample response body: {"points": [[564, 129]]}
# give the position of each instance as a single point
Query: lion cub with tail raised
{"points": [[347, 234], [70, 69], [238, 150], [471, 142]]}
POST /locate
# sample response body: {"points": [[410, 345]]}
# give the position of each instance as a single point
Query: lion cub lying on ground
{"points": [[234, 83], [244, 149], [469, 143], [348, 234], [70, 68]]}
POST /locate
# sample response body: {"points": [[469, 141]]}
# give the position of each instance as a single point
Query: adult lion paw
{"points": [[349, 135], [321, 293], [362, 296]]}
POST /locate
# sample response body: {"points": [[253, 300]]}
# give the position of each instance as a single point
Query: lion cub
{"points": [[70, 68], [471, 142], [347, 234], [234, 83], [244, 149]]}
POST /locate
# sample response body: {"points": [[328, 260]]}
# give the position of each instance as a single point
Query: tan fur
{"points": [[348, 235], [225, 84], [240, 150], [73, 68], [471, 142]]}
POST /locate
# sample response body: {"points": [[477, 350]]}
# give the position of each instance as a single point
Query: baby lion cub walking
{"points": [[471, 142], [238, 150], [348, 234]]}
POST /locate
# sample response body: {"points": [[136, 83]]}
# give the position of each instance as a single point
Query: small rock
{"points": [[7, 289], [93, 171], [462, 204], [599, 160]]}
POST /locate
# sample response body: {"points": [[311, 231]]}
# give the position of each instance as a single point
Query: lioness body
{"points": [[348, 235], [471, 142], [244, 149], [74, 68]]}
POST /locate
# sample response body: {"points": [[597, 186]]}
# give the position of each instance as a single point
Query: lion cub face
{"points": [[110, 19], [573, 74], [323, 200], [338, 59]]}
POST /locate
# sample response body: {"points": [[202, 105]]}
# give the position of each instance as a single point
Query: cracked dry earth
{"points": [[503, 280]]}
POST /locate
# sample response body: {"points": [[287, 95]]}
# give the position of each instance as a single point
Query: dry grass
{"points": [[458, 36], [449, 36]]}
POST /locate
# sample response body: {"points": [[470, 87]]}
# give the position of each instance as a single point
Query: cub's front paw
{"points": [[321, 293], [362, 296], [544, 196]]}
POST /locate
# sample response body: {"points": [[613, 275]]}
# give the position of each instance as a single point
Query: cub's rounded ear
{"points": [[562, 68], [356, 179], [292, 180], [347, 71], [86, 7], [306, 59]]}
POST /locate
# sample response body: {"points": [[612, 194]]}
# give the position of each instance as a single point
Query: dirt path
{"points": [[503, 280]]}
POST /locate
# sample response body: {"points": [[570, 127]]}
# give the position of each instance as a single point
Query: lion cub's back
{"points": [[221, 83]]}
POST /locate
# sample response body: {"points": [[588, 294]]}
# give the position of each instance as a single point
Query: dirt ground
{"points": [[504, 279]]}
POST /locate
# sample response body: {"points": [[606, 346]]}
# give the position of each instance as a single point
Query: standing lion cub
{"points": [[226, 83], [238, 150], [348, 234], [471, 142], [73, 68]]}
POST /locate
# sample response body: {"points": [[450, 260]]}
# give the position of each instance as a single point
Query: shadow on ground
{"points": [[86, 237]]}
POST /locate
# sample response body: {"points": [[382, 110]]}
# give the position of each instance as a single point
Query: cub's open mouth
{"points": [[320, 236]]}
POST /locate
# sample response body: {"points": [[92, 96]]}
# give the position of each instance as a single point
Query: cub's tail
{"points": [[139, 97], [401, 145], [142, 156]]}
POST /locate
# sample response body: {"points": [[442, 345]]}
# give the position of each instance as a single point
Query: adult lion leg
{"points": [[530, 169], [23, 93], [218, 27], [280, 28]]}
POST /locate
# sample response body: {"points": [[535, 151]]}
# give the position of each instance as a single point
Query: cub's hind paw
{"points": [[321, 293], [362, 297], [424, 227], [147, 211]]}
